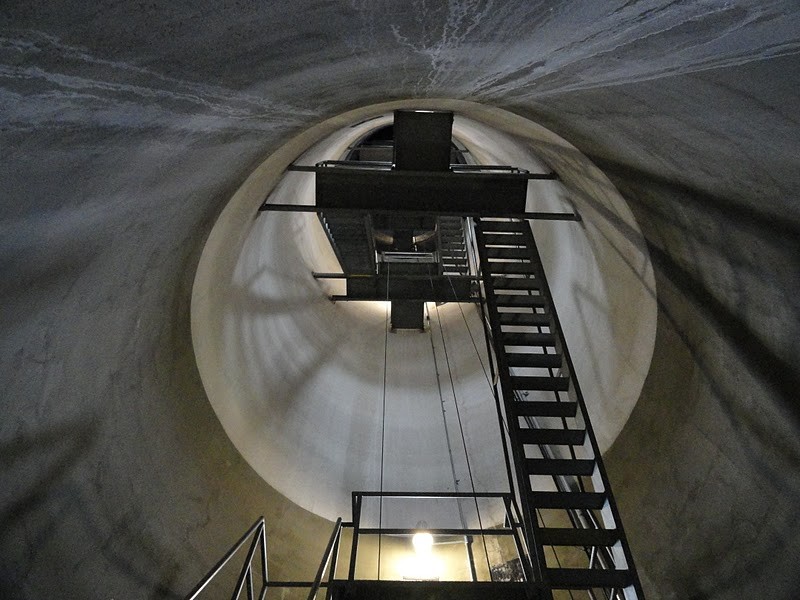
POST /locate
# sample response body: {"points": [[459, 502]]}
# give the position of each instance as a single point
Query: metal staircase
{"points": [[574, 533], [352, 241], [381, 219], [452, 246]]}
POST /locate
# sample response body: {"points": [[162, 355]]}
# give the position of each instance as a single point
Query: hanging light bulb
{"points": [[422, 542], [423, 566]]}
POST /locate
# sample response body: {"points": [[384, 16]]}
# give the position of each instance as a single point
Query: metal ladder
{"points": [[574, 534], [452, 247]]}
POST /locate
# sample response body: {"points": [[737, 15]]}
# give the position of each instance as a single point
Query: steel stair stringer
{"points": [[551, 438]]}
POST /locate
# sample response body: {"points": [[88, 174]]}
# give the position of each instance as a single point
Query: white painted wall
{"points": [[297, 382]]}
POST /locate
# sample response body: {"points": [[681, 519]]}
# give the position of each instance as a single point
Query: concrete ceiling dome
{"points": [[125, 130]]}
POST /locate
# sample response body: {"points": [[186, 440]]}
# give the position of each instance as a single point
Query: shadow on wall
{"points": [[777, 373], [48, 498], [306, 341], [716, 215], [774, 370], [725, 272]]}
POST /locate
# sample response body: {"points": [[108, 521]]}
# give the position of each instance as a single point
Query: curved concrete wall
{"points": [[297, 382], [127, 127]]}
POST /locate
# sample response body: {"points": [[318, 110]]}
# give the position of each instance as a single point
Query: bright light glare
{"points": [[423, 542], [422, 565]]}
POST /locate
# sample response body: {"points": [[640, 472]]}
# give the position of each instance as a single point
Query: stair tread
{"points": [[518, 359], [515, 283], [532, 408], [511, 268], [559, 466], [588, 578], [571, 536], [492, 252], [528, 339], [526, 318], [491, 237], [507, 300], [495, 226], [588, 500], [539, 383], [560, 436]]}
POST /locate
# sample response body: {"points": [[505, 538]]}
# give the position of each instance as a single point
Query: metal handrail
{"points": [[387, 166], [511, 529], [581, 518], [259, 529], [326, 559]]}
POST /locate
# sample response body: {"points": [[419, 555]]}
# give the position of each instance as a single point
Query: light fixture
{"points": [[423, 543], [422, 566]]}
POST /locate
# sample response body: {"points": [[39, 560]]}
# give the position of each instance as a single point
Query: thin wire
{"points": [[463, 440], [487, 335], [469, 331], [383, 415], [444, 422]]}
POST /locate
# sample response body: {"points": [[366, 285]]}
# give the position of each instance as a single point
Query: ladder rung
{"points": [[531, 408], [564, 437], [508, 253], [559, 466], [569, 536], [515, 283], [523, 300], [578, 579], [541, 384], [535, 361], [528, 339], [588, 500], [347, 226], [504, 239], [511, 268], [526, 318], [495, 226]]}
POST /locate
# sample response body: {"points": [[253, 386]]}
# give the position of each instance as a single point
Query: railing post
{"points": [[264, 575], [334, 561], [351, 575], [250, 590], [224, 560], [326, 557]]}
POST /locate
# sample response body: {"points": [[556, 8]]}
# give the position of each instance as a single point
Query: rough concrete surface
{"points": [[124, 128]]}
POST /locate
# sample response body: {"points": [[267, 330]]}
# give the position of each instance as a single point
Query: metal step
{"points": [[522, 253], [524, 319], [515, 283], [556, 437], [530, 408], [511, 226], [520, 300], [528, 339], [504, 239], [581, 579], [587, 500], [559, 466], [535, 361], [569, 536], [512, 268], [540, 384]]}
